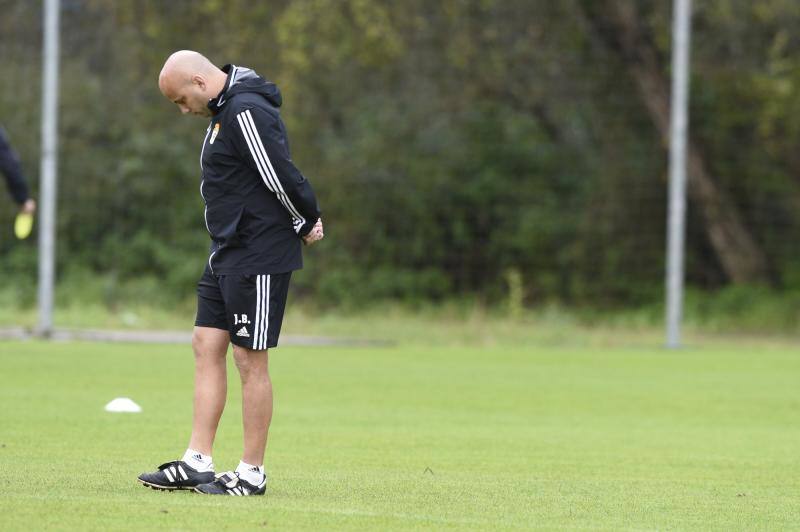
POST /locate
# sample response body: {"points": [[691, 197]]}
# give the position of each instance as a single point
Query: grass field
{"points": [[553, 433]]}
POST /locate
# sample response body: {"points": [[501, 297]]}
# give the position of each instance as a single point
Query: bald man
{"points": [[259, 208]]}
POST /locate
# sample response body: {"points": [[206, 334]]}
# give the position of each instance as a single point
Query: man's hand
{"points": [[29, 207], [315, 234]]}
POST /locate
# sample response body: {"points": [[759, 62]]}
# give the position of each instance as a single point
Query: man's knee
{"points": [[250, 362], [209, 343]]}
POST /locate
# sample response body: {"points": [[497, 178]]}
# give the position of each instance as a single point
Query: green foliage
{"points": [[449, 143], [744, 308]]}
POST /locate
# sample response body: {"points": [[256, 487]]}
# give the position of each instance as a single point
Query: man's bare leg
{"points": [[210, 385], [256, 401]]}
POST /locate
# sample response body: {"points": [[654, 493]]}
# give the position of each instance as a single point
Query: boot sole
{"points": [[158, 487]]}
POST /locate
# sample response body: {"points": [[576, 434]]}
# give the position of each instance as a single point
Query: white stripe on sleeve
{"points": [[264, 166]]}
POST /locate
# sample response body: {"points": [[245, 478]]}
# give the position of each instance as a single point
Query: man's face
{"points": [[190, 97]]}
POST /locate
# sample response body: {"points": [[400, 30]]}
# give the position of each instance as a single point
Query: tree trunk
{"points": [[618, 24]]}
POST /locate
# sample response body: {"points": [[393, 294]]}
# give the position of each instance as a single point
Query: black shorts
{"points": [[249, 307]]}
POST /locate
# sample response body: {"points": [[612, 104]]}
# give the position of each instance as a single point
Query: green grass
{"points": [[444, 324], [553, 431], [84, 300]]}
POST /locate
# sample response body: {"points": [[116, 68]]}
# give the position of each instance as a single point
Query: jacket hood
{"points": [[241, 79]]}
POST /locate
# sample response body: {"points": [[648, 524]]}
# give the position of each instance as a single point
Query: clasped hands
{"points": [[315, 234]]}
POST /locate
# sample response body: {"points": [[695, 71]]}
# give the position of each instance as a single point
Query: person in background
{"points": [[11, 169]]}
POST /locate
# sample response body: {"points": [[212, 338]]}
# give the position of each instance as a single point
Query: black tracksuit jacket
{"points": [[9, 166], [257, 203]]}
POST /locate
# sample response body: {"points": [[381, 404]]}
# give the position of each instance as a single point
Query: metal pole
{"points": [[676, 227], [48, 175]]}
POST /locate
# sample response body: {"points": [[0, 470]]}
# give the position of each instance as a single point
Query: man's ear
{"points": [[200, 81]]}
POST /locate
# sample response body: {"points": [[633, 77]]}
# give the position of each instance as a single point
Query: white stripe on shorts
{"points": [[257, 322], [262, 344], [261, 321]]}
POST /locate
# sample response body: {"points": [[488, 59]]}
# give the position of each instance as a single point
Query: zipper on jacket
{"points": [[205, 206], [205, 202], [210, 267], [203, 149]]}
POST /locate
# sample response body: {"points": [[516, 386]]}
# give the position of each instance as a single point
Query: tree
{"points": [[618, 24]]}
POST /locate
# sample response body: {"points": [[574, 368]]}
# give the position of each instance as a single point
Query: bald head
{"points": [[189, 80]]}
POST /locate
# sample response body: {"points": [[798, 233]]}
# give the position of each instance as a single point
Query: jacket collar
{"points": [[215, 104]]}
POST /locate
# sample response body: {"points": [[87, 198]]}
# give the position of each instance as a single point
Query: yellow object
{"points": [[23, 225]]}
